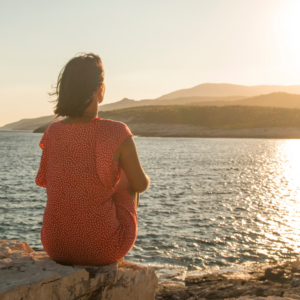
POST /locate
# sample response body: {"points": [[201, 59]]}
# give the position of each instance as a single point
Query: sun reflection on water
{"points": [[288, 156]]}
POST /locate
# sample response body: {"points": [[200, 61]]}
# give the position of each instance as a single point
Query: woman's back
{"points": [[88, 220]]}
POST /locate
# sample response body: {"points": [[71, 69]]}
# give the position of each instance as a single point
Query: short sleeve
{"points": [[110, 136], [41, 175]]}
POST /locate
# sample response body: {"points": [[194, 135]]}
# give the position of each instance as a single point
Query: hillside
{"points": [[29, 124], [226, 117], [225, 90], [271, 100], [32, 124], [126, 103], [207, 121], [277, 99], [274, 100]]}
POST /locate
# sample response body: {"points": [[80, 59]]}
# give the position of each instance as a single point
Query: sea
{"points": [[213, 203]]}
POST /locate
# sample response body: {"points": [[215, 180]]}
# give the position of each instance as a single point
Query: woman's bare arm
{"points": [[130, 164]]}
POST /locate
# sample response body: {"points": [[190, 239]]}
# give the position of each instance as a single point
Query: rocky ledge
{"points": [[260, 281], [29, 275]]}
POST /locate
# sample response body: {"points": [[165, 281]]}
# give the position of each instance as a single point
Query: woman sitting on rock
{"points": [[91, 171]]}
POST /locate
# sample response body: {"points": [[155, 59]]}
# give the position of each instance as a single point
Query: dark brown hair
{"points": [[76, 85]]}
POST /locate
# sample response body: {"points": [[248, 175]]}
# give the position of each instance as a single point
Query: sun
{"points": [[287, 30]]}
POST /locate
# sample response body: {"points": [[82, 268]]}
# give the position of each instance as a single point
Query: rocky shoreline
{"points": [[29, 275], [258, 281]]}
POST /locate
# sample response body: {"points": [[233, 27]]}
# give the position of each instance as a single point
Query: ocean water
{"points": [[213, 203]]}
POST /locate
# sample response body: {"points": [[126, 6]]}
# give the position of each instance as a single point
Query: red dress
{"points": [[88, 220]]}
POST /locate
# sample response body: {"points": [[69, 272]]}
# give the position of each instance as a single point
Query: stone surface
{"points": [[272, 282], [29, 275], [264, 298]]}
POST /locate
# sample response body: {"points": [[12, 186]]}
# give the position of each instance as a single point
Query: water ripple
{"points": [[212, 202]]}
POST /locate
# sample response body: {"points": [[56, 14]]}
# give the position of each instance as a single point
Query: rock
{"points": [[29, 275], [295, 266], [258, 276], [295, 282], [274, 274], [292, 292], [204, 279], [172, 291], [255, 283], [263, 298]]}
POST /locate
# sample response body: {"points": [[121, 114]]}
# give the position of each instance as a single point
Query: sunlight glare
{"points": [[289, 154], [292, 170]]}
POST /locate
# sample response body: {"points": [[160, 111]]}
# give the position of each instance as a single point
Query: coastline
{"points": [[26, 273], [177, 130], [190, 131], [263, 279]]}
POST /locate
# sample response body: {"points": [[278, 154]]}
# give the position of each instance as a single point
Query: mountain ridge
{"points": [[219, 98], [207, 121], [126, 103], [228, 89], [277, 99]]}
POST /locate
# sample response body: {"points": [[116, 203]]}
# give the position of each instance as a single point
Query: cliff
{"points": [[226, 89]]}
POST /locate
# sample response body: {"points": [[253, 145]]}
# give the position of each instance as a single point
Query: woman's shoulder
{"points": [[111, 124], [50, 126], [113, 127], [53, 124]]}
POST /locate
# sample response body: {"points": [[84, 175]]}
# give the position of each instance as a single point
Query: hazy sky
{"points": [[149, 48]]}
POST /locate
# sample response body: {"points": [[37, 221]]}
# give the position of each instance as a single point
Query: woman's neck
{"points": [[90, 115], [86, 118]]}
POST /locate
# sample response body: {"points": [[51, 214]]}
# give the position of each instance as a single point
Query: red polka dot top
{"points": [[88, 220]]}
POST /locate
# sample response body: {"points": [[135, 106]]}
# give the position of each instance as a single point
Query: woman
{"points": [[91, 171]]}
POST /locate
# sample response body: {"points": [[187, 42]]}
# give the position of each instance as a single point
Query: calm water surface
{"points": [[212, 202]]}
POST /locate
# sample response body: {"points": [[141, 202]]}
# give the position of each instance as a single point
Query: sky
{"points": [[148, 48]]}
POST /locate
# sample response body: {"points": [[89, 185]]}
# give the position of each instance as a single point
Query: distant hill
{"points": [[30, 124], [272, 100], [208, 121], [226, 117], [225, 90], [201, 95], [126, 103]]}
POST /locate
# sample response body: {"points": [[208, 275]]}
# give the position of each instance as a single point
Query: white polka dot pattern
{"points": [[88, 220]]}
